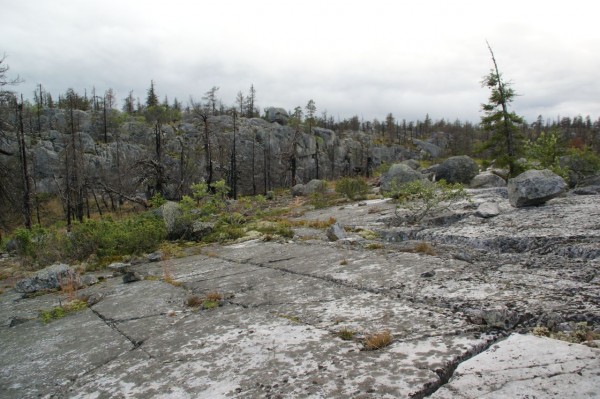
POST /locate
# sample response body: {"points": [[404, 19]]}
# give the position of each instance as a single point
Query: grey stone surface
{"points": [[38, 360], [535, 187]]}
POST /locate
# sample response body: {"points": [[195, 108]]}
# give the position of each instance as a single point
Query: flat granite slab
{"points": [[525, 366]]}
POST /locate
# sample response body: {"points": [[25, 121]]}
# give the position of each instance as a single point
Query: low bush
{"points": [[352, 188], [139, 234]]}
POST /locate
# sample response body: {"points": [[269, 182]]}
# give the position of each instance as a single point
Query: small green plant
{"points": [[346, 334], [352, 188], [423, 197], [378, 341], [374, 245], [212, 300]]}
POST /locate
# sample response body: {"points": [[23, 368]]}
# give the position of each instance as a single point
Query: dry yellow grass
{"points": [[214, 297], [424, 248], [378, 341]]}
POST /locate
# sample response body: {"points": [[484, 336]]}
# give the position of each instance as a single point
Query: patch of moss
{"points": [[206, 304], [581, 333], [59, 312]]}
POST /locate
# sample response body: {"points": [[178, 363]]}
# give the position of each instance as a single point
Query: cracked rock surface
{"points": [[458, 313]]}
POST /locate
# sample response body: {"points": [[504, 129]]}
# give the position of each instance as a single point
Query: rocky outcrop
{"points": [[266, 149], [397, 175], [461, 169], [278, 115], [535, 187]]}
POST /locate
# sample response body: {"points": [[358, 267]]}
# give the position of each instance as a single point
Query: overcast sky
{"points": [[365, 58]]}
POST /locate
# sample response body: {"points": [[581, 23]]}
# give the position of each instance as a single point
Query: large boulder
{"points": [[461, 169], [487, 180], [534, 187], [278, 115], [313, 186], [397, 175], [50, 278], [414, 164], [180, 224]]}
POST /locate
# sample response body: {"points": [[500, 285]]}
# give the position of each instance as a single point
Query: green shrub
{"points": [[545, 153], [39, 245], [353, 188], [157, 200], [381, 169], [423, 197], [105, 238], [581, 162]]}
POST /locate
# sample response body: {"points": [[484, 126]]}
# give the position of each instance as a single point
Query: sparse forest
{"points": [[81, 156]]}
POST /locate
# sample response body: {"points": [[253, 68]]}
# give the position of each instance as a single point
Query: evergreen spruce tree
{"points": [[506, 141]]}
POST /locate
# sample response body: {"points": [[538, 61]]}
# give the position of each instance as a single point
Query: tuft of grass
{"points": [[424, 248], [193, 301], [344, 262], [374, 245], [214, 297], [69, 285], [378, 341], [171, 250], [168, 277], [346, 334]]}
